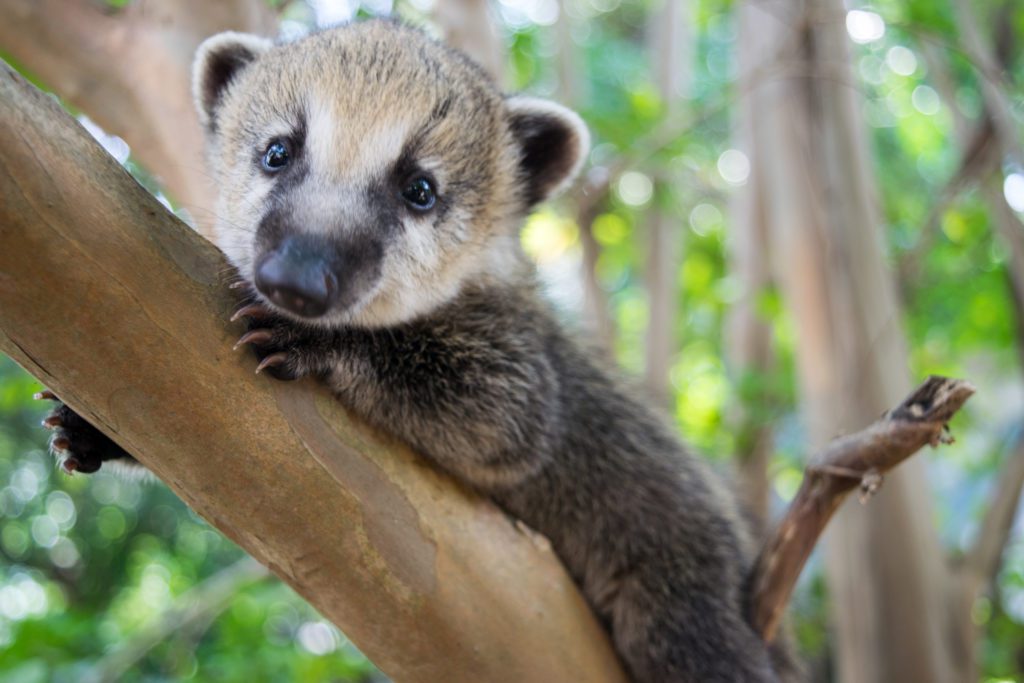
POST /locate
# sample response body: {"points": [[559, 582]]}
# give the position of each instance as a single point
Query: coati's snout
{"points": [[298, 278], [312, 275]]}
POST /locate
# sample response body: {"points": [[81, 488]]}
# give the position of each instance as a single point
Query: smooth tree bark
{"points": [[122, 310], [884, 565], [595, 314], [670, 55], [748, 336], [130, 71], [467, 25]]}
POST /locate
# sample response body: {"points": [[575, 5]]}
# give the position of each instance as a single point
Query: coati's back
{"points": [[372, 186]]}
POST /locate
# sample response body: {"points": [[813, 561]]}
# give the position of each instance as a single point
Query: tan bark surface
{"points": [[120, 309], [671, 56], [748, 335]]}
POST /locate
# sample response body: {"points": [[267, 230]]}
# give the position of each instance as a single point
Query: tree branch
{"points": [[990, 76], [857, 460], [119, 308], [194, 609], [986, 554]]}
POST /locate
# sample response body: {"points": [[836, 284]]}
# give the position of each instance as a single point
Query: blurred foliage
{"points": [[88, 560]]}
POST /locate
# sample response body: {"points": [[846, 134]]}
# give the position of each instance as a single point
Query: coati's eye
{"points": [[419, 194], [276, 157]]}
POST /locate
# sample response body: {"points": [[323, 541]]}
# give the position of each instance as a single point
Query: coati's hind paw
{"points": [[78, 445], [275, 341]]}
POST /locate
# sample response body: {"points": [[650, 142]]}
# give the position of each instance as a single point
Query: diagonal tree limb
{"points": [[985, 555], [195, 608], [121, 309], [850, 462]]}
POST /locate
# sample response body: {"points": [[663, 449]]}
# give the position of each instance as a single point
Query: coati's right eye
{"points": [[419, 194], [276, 157]]}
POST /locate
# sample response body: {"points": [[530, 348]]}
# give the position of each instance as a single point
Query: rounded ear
{"points": [[218, 60], [553, 143]]}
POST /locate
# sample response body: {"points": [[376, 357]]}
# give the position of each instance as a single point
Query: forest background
{"points": [[792, 212]]}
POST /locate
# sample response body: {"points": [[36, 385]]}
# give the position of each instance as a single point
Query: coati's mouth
{"points": [[311, 276]]}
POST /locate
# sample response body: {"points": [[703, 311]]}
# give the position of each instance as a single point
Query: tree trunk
{"points": [[120, 309], [886, 574], [596, 317], [467, 25], [131, 71], [669, 53], [748, 337]]}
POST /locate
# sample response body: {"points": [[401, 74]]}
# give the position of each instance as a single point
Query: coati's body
{"points": [[426, 321]]}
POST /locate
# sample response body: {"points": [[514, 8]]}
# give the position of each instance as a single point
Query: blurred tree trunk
{"points": [[130, 70], [998, 113], [671, 59], [596, 316], [467, 25], [990, 77], [887, 578], [748, 336]]}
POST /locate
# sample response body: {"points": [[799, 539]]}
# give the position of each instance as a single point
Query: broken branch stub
{"points": [[858, 460]]}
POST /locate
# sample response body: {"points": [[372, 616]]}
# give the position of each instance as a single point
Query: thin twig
{"points": [[202, 603], [984, 557], [858, 460]]}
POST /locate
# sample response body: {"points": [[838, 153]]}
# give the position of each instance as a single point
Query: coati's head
{"points": [[367, 173]]}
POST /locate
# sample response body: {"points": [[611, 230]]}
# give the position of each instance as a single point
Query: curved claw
{"points": [[251, 311], [273, 360], [52, 422], [45, 395], [258, 336], [70, 465], [61, 443]]}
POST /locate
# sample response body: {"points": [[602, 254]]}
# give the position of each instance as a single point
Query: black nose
{"points": [[297, 277]]}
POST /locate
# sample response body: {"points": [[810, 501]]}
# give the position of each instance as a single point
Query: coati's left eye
{"points": [[419, 194], [275, 157]]}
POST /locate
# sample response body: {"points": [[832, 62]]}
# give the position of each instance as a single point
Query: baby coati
{"points": [[372, 183]]}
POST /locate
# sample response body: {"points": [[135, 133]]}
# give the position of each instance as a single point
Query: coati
{"points": [[372, 183]]}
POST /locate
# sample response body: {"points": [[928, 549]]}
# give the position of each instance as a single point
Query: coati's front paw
{"points": [[78, 445], [276, 342]]}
